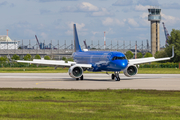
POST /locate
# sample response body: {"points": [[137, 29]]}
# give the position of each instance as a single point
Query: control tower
{"points": [[155, 18]]}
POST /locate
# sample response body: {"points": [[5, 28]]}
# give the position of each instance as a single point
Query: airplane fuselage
{"points": [[102, 60]]}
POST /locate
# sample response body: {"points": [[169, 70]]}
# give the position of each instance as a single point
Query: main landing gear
{"points": [[81, 78], [115, 76]]}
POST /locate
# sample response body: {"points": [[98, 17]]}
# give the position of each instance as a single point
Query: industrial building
{"points": [[7, 43], [155, 18]]}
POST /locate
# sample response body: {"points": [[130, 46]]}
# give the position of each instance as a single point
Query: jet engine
{"points": [[130, 71], [75, 71]]}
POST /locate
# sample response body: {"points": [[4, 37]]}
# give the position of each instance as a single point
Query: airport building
{"points": [[7, 43], [154, 17]]}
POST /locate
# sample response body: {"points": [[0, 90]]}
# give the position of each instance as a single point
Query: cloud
{"points": [[137, 8], [82, 7], [148, 2], [22, 24], [54, 0], [170, 20], [41, 26], [141, 7], [94, 32], [6, 3], [78, 26], [24, 30], [102, 12], [81, 33], [144, 15], [44, 35], [132, 22], [12, 5], [29, 32], [111, 22], [127, 9], [44, 11], [69, 32], [170, 6], [110, 31], [69, 9], [143, 20], [85, 6], [123, 3], [3, 3], [57, 22], [89, 8]]}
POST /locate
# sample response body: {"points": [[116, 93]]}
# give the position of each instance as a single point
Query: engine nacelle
{"points": [[75, 71], [131, 70]]}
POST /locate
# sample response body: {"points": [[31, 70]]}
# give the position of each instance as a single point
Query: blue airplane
{"points": [[97, 61]]}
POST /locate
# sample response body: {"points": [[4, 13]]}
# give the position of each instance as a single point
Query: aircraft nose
{"points": [[123, 64]]}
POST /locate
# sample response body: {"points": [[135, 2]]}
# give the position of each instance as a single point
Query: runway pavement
{"points": [[92, 81]]}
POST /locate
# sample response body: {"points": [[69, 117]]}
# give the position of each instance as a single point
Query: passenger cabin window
{"points": [[119, 58]]}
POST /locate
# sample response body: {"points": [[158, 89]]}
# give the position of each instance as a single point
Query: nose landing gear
{"points": [[115, 76]]}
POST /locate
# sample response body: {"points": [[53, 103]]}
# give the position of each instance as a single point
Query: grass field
{"points": [[88, 105], [65, 70], [34, 70]]}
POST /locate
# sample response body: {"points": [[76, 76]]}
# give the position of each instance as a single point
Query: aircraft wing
{"points": [[150, 59], [55, 63]]}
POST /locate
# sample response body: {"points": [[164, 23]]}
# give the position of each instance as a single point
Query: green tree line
{"points": [[174, 40], [130, 55]]}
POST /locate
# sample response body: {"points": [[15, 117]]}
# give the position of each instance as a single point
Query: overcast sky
{"points": [[123, 20]]}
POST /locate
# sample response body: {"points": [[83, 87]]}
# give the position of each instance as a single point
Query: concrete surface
{"points": [[92, 81]]}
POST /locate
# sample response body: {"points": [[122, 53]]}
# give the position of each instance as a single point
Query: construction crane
{"points": [[166, 33], [37, 42], [85, 44]]}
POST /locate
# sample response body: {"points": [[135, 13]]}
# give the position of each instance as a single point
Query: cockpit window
{"points": [[119, 58]]}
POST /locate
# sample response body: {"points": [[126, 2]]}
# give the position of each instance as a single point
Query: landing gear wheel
{"points": [[112, 76], [77, 78], [117, 79], [81, 78], [116, 76]]}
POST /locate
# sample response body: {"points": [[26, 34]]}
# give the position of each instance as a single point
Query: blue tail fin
{"points": [[77, 47]]}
